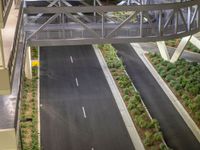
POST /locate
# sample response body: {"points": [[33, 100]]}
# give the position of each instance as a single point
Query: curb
{"points": [[135, 138], [181, 110], [38, 98]]}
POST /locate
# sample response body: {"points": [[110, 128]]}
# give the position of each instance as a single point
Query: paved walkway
{"points": [[190, 56]]}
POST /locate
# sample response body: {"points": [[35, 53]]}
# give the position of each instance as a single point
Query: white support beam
{"points": [[184, 41], [28, 64], [195, 41], [2, 60], [163, 50], [5, 87]]}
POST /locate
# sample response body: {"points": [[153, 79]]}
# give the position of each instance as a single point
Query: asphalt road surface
{"points": [[176, 133], [78, 110]]}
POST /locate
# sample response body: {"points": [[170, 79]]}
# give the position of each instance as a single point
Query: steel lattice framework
{"points": [[58, 23]]}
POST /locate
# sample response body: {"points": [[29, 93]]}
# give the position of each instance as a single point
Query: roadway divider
{"points": [[136, 140]]}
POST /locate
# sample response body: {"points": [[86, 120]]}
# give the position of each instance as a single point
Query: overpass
{"points": [[57, 22]]}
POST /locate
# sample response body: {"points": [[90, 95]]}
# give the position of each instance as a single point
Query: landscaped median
{"points": [[29, 112], [183, 78], [148, 129]]}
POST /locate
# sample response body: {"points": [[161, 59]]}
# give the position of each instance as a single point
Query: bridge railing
{"points": [[141, 23], [5, 6]]}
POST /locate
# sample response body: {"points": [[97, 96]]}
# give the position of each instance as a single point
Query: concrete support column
{"points": [[8, 139], [4, 72], [195, 41], [2, 60], [28, 64], [180, 48], [163, 50]]}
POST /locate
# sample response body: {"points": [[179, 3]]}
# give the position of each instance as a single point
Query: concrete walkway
{"points": [[152, 47]]}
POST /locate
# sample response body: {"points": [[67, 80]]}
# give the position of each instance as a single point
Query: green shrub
{"points": [[168, 78]]}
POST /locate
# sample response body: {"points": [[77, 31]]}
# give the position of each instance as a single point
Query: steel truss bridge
{"points": [[75, 22], [57, 22]]}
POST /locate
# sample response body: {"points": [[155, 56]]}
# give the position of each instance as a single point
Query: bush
{"points": [[141, 121], [168, 78]]}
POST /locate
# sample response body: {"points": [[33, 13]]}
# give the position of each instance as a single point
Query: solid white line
{"points": [[92, 148], [38, 98], [77, 84], [84, 114], [71, 58]]}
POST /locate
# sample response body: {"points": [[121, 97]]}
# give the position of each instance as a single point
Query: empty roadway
{"points": [[176, 133], [78, 111]]}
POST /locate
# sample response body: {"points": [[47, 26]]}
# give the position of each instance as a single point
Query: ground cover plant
{"points": [[148, 129], [184, 80], [29, 111]]}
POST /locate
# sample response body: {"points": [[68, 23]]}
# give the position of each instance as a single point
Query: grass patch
{"points": [[29, 109]]}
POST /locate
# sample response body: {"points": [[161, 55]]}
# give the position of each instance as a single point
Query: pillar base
{"points": [[5, 87], [8, 139]]}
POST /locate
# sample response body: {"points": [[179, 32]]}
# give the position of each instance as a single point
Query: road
{"points": [[176, 133], [78, 110]]}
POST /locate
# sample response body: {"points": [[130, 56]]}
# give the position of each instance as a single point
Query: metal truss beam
{"points": [[84, 9], [154, 22]]}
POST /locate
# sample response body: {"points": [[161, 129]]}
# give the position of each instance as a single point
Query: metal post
{"points": [[102, 34], [94, 3], [160, 23], [141, 24]]}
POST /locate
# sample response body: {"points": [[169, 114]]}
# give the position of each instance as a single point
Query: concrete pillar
{"points": [[8, 139], [163, 50], [2, 60], [180, 48], [5, 88], [28, 64], [195, 41]]}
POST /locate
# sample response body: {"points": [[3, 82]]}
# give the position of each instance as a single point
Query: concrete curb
{"points": [[38, 98], [181, 110], [120, 103]]}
